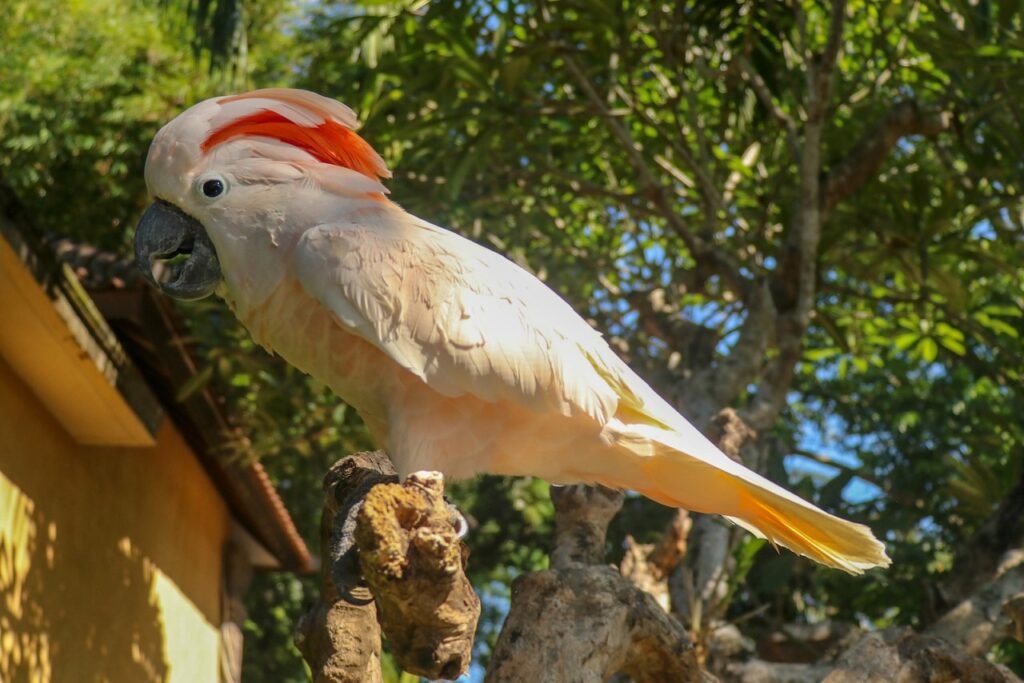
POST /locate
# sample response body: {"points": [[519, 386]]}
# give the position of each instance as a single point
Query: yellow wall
{"points": [[46, 343], [109, 557]]}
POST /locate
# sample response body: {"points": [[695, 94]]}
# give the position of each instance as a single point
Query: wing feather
{"points": [[461, 317]]}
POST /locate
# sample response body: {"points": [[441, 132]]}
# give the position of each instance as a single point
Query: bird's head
{"points": [[237, 179]]}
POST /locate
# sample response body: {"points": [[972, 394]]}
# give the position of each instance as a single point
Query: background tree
{"points": [[770, 206], [808, 211]]}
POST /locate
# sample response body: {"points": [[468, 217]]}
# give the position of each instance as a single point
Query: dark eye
{"points": [[213, 188]]}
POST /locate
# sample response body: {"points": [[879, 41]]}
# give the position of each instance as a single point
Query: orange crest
{"points": [[330, 142]]}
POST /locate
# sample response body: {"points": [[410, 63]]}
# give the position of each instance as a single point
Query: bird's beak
{"points": [[174, 252]]}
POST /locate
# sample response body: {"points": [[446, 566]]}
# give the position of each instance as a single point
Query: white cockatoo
{"points": [[458, 360]]}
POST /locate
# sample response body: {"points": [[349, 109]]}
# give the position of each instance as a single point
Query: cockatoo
{"points": [[458, 360]]}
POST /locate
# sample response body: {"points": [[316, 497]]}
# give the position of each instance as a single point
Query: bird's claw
{"points": [[458, 520]]}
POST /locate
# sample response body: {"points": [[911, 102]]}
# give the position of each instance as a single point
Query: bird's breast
{"points": [[304, 333]]}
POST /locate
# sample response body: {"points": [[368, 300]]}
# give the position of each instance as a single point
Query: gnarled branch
{"points": [[339, 637], [413, 562], [581, 620], [401, 538], [986, 616], [897, 654]]}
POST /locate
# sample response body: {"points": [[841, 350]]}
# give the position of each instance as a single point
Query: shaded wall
{"points": [[109, 557]]}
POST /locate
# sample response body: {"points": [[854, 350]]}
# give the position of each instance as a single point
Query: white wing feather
{"points": [[461, 317]]}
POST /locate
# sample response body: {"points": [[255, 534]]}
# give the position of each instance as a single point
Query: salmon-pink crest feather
{"points": [[303, 120]]}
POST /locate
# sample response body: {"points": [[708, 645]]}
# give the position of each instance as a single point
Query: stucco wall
{"points": [[109, 557]]}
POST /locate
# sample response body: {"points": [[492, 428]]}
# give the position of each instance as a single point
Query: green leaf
{"points": [[953, 345], [1000, 52], [905, 341], [928, 349], [193, 384], [996, 325], [513, 72]]}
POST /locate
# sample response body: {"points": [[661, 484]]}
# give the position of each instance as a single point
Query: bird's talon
{"points": [[458, 520]]}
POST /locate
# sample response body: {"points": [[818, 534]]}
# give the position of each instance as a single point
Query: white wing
{"points": [[461, 317]]}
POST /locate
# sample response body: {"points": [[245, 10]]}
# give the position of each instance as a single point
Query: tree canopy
{"points": [[810, 212]]}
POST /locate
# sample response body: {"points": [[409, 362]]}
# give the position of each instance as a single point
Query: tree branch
{"points": [[821, 69], [764, 94], [710, 196], [982, 619], [413, 562], [906, 117], [724, 381], [896, 654], [699, 585], [401, 538], [795, 285], [827, 63], [339, 637], [613, 626], [722, 262]]}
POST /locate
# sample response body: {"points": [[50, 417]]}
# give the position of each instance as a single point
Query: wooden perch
{"points": [[896, 654], [952, 649], [392, 563], [986, 616], [413, 561], [581, 621]]}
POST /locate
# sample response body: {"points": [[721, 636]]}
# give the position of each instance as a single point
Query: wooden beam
{"points": [[54, 339]]}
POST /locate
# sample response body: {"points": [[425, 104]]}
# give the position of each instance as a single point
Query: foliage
{"points": [[77, 115], [920, 269], [605, 145], [85, 86]]}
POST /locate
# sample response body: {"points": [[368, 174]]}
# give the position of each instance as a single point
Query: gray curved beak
{"points": [[174, 253]]}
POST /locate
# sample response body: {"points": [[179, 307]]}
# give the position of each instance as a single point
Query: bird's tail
{"points": [[686, 470]]}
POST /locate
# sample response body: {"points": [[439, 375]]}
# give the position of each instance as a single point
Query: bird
{"points": [[457, 359]]}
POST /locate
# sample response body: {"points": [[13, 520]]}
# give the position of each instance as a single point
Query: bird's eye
{"points": [[213, 188]]}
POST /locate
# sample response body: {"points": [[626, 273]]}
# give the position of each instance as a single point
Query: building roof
{"points": [[140, 338]]}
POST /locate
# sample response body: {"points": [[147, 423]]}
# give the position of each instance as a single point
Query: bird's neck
{"points": [[255, 249]]}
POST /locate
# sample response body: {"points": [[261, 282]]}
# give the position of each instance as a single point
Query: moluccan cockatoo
{"points": [[458, 360]]}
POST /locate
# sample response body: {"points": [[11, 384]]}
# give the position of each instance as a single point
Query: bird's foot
{"points": [[458, 520], [429, 477]]}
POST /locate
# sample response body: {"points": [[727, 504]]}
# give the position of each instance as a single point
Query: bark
{"points": [[649, 565], [987, 616], [952, 649], [413, 562], [392, 564], [339, 637], [580, 621], [907, 657], [897, 655], [340, 640]]}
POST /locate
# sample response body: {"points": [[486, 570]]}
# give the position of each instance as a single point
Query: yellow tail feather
{"points": [[809, 531], [667, 474]]}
